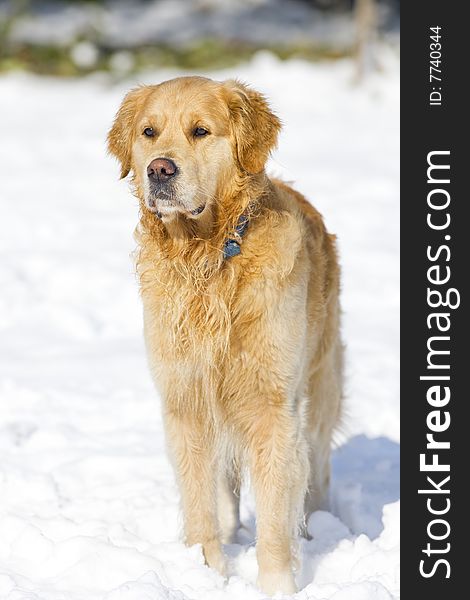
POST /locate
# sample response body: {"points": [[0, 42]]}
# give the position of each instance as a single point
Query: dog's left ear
{"points": [[121, 134], [255, 126]]}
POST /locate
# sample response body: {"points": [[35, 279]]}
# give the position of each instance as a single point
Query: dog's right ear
{"points": [[121, 134]]}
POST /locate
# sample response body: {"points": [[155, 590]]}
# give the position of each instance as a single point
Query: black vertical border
{"points": [[426, 128]]}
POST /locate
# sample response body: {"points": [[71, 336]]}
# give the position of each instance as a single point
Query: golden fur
{"points": [[244, 351]]}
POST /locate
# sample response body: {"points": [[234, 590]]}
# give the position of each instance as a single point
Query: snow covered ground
{"points": [[88, 503]]}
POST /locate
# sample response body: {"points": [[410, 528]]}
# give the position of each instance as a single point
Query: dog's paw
{"points": [[271, 583], [215, 558]]}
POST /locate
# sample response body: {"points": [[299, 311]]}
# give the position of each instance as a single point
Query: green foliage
{"points": [[205, 54]]}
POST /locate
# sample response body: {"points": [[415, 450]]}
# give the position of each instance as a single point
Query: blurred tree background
{"points": [[121, 37]]}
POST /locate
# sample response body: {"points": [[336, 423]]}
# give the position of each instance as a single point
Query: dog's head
{"points": [[187, 138]]}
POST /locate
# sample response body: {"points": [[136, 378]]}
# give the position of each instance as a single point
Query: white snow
{"points": [[84, 54], [88, 502]]}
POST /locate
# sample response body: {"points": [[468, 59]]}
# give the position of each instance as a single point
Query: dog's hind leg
{"points": [[317, 496], [324, 415], [228, 505]]}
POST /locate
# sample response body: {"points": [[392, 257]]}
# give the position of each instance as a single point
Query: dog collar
{"points": [[232, 244]]}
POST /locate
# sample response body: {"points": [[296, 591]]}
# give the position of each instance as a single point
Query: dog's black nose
{"points": [[161, 169]]}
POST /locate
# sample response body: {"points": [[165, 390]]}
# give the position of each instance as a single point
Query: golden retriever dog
{"points": [[239, 282]]}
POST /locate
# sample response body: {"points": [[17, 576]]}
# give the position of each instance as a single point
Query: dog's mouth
{"points": [[165, 204], [198, 210], [168, 211]]}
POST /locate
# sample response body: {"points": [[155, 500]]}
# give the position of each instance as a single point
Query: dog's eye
{"points": [[200, 132], [149, 131]]}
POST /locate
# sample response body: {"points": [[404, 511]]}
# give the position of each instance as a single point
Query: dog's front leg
{"points": [[191, 441], [279, 478]]}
